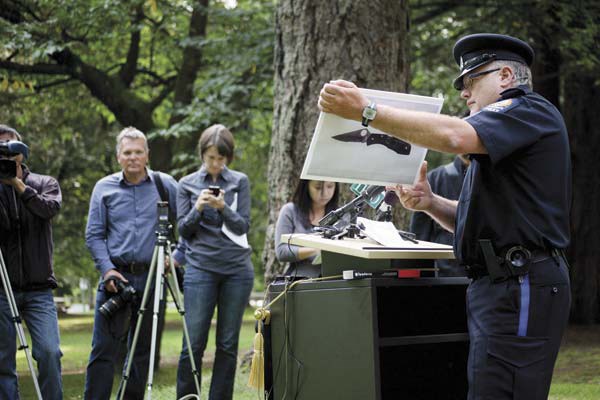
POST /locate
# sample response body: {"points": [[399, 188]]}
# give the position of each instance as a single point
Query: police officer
{"points": [[511, 220]]}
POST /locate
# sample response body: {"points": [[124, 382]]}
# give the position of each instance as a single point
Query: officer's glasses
{"points": [[468, 79]]}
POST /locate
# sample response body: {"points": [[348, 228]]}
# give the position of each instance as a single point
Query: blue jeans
{"points": [[110, 333], [37, 309], [203, 291]]}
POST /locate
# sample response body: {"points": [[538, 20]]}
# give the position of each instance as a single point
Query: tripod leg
{"points": [[138, 325], [176, 293], [18, 326], [158, 291]]}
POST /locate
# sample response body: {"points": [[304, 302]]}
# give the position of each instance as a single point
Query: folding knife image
{"points": [[364, 136]]}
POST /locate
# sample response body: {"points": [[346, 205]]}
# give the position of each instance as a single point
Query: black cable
{"points": [[276, 373], [291, 251], [291, 354]]}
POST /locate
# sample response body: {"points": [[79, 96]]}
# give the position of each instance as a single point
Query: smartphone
{"points": [[215, 190]]}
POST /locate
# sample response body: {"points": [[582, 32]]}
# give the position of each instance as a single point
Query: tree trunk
{"points": [[190, 66], [582, 94], [547, 61], [317, 41]]}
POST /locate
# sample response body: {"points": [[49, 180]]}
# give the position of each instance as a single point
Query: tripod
{"points": [[157, 272], [14, 311]]}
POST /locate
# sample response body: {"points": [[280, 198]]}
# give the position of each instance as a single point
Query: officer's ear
{"points": [[507, 75]]}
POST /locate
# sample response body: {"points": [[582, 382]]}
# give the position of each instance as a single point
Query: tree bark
{"points": [[317, 41], [582, 94]]}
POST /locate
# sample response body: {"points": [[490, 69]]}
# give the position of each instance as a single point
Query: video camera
{"points": [[163, 213], [125, 293], [164, 225], [9, 149]]}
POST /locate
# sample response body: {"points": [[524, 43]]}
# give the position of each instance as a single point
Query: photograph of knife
{"points": [[364, 136]]}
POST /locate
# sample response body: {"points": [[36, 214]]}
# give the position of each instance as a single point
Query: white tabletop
{"points": [[367, 248]]}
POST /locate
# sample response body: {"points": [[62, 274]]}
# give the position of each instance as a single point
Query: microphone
{"points": [[357, 203], [372, 191], [391, 198], [384, 211]]}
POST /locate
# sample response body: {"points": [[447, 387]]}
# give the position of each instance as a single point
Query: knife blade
{"points": [[364, 136]]}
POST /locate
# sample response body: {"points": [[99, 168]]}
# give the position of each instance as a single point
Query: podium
{"points": [[379, 338]]}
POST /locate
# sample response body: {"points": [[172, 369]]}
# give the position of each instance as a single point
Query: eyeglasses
{"points": [[468, 79]]}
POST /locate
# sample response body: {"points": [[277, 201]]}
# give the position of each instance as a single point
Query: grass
{"points": [[76, 338], [576, 376], [577, 370]]}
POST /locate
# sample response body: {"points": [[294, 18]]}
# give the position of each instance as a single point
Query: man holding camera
{"points": [[120, 235], [28, 202]]}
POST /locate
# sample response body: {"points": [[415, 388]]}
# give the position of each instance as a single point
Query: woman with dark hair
{"points": [[312, 201], [213, 214]]}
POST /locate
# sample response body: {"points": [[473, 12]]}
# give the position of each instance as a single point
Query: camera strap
{"points": [[164, 196]]}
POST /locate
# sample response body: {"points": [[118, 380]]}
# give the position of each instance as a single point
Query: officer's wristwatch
{"points": [[369, 113]]}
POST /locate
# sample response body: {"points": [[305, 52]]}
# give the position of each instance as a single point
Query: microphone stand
{"points": [[342, 221]]}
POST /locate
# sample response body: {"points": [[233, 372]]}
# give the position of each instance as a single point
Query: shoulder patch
{"points": [[502, 106]]}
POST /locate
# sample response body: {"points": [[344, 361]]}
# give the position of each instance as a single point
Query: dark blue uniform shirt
{"points": [[520, 192]]}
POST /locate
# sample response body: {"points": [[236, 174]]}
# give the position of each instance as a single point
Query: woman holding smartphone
{"points": [[213, 214]]}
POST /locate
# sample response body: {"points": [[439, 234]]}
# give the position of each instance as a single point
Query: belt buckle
{"points": [[135, 268]]}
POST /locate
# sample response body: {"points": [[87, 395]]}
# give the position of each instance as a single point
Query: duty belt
{"points": [[514, 262]]}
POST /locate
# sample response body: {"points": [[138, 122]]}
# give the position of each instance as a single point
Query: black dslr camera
{"points": [[8, 149], [125, 293]]}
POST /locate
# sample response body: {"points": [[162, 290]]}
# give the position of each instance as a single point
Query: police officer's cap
{"points": [[473, 51]]}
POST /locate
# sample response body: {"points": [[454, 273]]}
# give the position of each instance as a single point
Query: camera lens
{"points": [[124, 295], [111, 306]]}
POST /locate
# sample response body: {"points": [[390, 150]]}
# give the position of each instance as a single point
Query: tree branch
{"points": [[39, 88], [192, 58], [67, 37], [157, 78], [127, 72], [30, 11], [165, 92], [441, 9], [10, 12], [45, 69], [128, 108]]}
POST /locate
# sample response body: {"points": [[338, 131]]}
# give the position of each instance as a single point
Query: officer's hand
{"points": [[343, 99], [217, 202], [419, 196], [110, 284], [203, 199]]}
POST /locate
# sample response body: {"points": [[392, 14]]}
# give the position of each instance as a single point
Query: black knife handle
{"points": [[392, 143]]}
